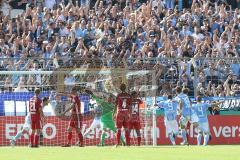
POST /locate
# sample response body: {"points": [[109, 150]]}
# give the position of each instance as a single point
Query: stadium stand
{"points": [[197, 46]]}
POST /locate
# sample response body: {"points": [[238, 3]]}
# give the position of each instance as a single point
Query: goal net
{"points": [[18, 87]]}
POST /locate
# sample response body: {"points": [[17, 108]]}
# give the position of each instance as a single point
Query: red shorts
{"points": [[76, 122], [135, 124], [122, 120], [36, 123]]}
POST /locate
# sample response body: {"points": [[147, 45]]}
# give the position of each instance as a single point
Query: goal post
{"points": [[14, 105]]}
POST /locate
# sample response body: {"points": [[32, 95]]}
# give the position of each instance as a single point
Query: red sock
{"points": [[80, 136], [118, 136], [32, 139], [36, 140], [188, 126], [139, 140], [69, 137], [127, 137]]}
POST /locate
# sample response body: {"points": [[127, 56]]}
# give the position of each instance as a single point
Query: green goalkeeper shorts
{"points": [[107, 121]]}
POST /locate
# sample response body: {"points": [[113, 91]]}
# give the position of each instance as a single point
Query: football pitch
{"points": [[221, 152]]}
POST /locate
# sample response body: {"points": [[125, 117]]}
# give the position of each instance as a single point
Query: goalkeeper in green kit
{"points": [[108, 109]]}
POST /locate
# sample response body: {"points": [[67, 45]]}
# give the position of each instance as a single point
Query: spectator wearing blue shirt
{"points": [[170, 4], [83, 28], [76, 30], [50, 29], [214, 25]]}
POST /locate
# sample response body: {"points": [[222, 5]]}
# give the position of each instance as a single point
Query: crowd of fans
{"points": [[197, 47]]}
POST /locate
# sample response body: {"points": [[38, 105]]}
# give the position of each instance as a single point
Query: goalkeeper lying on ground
{"points": [[106, 120]]}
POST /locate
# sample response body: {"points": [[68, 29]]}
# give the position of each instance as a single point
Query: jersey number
{"points": [[170, 106], [135, 108], [124, 104], [200, 111], [170, 115], [32, 106]]}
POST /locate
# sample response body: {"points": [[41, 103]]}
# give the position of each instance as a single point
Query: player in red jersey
{"points": [[134, 122], [76, 117], [36, 115], [123, 104]]}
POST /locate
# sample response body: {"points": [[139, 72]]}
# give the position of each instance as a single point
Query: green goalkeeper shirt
{"points": [[107, 108]]}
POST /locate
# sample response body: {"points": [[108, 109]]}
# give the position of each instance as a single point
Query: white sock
{"points": [[199, 139], [206, 138], [184, 135], [19, 134], [172, 139]]}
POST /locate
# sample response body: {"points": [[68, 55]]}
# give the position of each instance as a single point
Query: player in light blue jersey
{"points": [[56, 103], [97, 111], [25, 129], [200, 109], [170, 117], [185, 112]]}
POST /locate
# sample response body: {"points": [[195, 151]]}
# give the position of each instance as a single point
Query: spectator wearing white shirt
{"points": [[5, 8], [197, 35], [155, 3], [8, 84], [20, 87], [37, 77], [63, 45], [63, 30]]}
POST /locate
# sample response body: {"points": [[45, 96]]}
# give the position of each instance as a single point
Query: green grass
{"points": [[221, 152]]}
